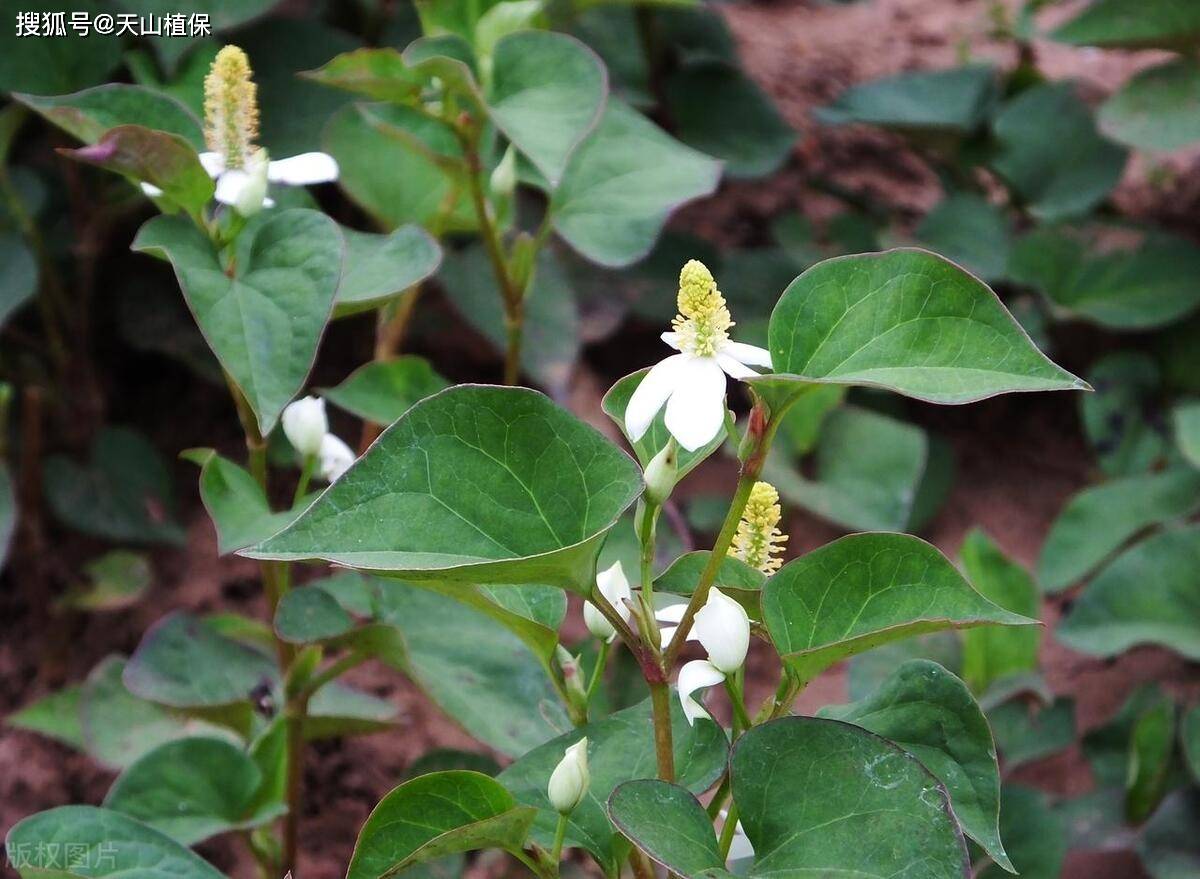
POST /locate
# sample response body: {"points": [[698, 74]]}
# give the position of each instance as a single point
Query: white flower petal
{"points": [[696, 409], [651, 394], [597, 623], [751, 355], [696, 675], [614, 586], [733, 367], [230, 185], [303, 169], [723, 629], [335, 457], [214, 163], [666, 634], [672, 613], [671, 339], [151, 190]]}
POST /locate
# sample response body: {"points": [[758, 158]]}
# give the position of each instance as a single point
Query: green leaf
{"points": [[90, 113], [435, 815], [484, 484], [100, 843], [310, 614], [1120, 419], [654, 440], [1107, 746], [1030, 130], [548, 93], [1151, 111], [55, 715], [236, 503], [1024, 735], [1098, 521], [483, 676], [1168, 845], [908, 321], [184, 663], [972, 232], [164, 160], [721, 112], [991, 654], [1189, 739], [381, 267], [551, 342], [1148, 595], [1186, 418], [865, 590], [55, 65], [337, 710], [442, 759], [868, 671], [810, 791], [116, 580], [1037, 839], [264, 316], [18, 275], [667, 823], [932, 715], [925, 103], [620, 185], [123, 494], [191, 789], [380, 74], [620, 749], [1134, 24], [734, 577], [1151, 748], [383, 390]]}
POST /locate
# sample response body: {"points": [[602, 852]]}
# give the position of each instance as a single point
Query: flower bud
{"points": [[503, 182], [305, 425], [570, 779], [572, 676], [335, 457], [723, 629], [661, 473], [614, 586]]}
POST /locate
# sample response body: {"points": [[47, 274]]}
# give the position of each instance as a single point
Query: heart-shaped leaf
{"points": [[620, 748], [931, 714], [91, 843], [191, 789], [1134, 24], [310, 614], [812, 791], [548, 93], [55, 715], [435, 815], [1148, 595], [380, 267], [481, 485], [926, 103], [622, 182], [383, 390], [1098, 521], [1150, 111], [908, 321], [88, 114], [264, 313], [380, 74], [865, 590], [667, 823]]}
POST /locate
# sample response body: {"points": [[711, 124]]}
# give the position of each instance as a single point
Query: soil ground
{"points": [[1018, 459]]}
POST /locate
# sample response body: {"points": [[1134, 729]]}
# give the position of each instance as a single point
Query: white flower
{"points": [[691, 384], [696, 675], [614, 586], [245, 188], [723, 629], [305, 425], [570, 779], [334, 458], [672, 613]]}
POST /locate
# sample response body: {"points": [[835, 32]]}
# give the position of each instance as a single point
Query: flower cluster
{"points": [[307, 429], [759, 540]]}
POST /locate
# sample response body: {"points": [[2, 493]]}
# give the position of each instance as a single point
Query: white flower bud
{"points": [[503, 182], [305, 425], [615, 588], [723, 629], [662, 472], [334, 458], [570, 779]]}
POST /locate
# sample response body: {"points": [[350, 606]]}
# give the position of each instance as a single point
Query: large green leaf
{"points": [[1168, 845], [813, 793], [906, 320], [1056, 183], [435, 815], [620, 749], [310, 614], [548, 93], [931, 714], [380, 267], [972, 232], [191, 789], [667, 823], [337, 710], [992, 654], [1148, 595], [867, 671], [865, 590], [1134, 24], [475, 484], [88, 114], [1098, 521], [1153, 110], [54, 65], [383, 390], [622, 182], [380, 74], [184, 662], [18, 274], [91, 843], [124, 493], [263, 314], [927, 102]]}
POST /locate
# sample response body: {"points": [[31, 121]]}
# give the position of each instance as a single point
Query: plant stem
{"points": [[514, 321], [296, 712], [741, 719], [718, 800], [727, 832], [664, 747], [560, 833], [332, 672], [646, 537], [306, 473], [597, 672]]}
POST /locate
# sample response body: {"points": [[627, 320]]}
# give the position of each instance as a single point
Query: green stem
{"points": [[332, 672], [718, 800], [741, 719], [598, 671], [646, 538], [296, 712], [306, 474], [560, 834], [664, 747], [514, 323], [727, 832]]}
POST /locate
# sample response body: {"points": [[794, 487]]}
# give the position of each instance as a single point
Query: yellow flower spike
{"points": [[703, 321], [758, 539], [231, 107]]}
